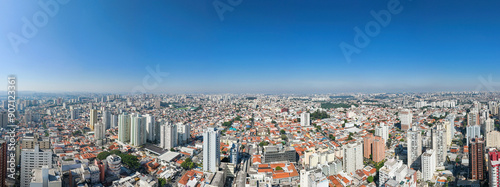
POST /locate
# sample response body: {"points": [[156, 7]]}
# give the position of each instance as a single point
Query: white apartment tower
{"points": [[150, 127], [33, 159], [305, 119], [428, 164], [137, 130], [183, 133], [124, 127], [414, 139], [439, 145], [353, 157], [211, 149], [168, 139]]}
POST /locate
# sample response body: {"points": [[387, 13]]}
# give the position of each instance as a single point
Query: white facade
{"points": [[382, 131], [183, 133], [305, 119], [439, 146], [106, 119], [448, 126], [211, 149], [428, 164], [414, 139], [137, 130], [150, 127], [33, 159], [168, 138], [114, 164], [473, 131], [124, 127], [99, 132], [353, 157], [405, 117]]}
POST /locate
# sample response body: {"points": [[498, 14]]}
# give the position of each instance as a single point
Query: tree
{"points": [[370, 179], [172, 149], [282, 131], [278, 168], [103, 155], [162, 182], [331, 137]]}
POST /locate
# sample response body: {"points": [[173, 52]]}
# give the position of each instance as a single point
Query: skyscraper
{"points": [[137, 130], [476, 159], [93, 118], [493, 106], [150, 127], [367, 145], [211, 149], [405, 116], [4, 119], [448, 125], [378, 149], [353, 157], [74, 114], [124, 127], [414, 139], [305, 119], [428, 164], [114, 121], [168, 138], [488, 126]]}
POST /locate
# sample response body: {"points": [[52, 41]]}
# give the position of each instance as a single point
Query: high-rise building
{"points": [[405, 116], [439, 145], [488, 126], [32, 159], [234, 153], [93, 118], [493, 139], [448, 125], [378, 149], [124, 127], [473, 117], [414, 139], [74, 114], [150, 127], [106, 119], [137, 130], [428, 164], [211, 149], [476, 159], [183, 133], [353, 157], [493, 106], [3, 162], [99, 131], [169, 136], [473, 131], [114, 165], [383, 131], [4, 119], [305, 119], [45, 177], [494, 167], [367, 145], [114, 121]]}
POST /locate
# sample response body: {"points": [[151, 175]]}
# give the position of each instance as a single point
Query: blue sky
{"points": [[262, 46]]}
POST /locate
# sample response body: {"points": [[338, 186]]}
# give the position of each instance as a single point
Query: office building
{"points": [[124, 127], [33, 159], [305, 119], [74, 114], [353, 157], [428, 164], [211, 150], [477, 164], [274, 154], [4, 119]]}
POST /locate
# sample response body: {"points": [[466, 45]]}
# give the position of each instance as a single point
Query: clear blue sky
{"points": [[268, 46]]}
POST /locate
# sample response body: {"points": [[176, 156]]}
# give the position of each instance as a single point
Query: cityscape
{"points": [[238, 93]]}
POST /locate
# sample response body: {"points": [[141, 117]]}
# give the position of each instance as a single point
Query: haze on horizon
{"points": [[258, 47]]}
